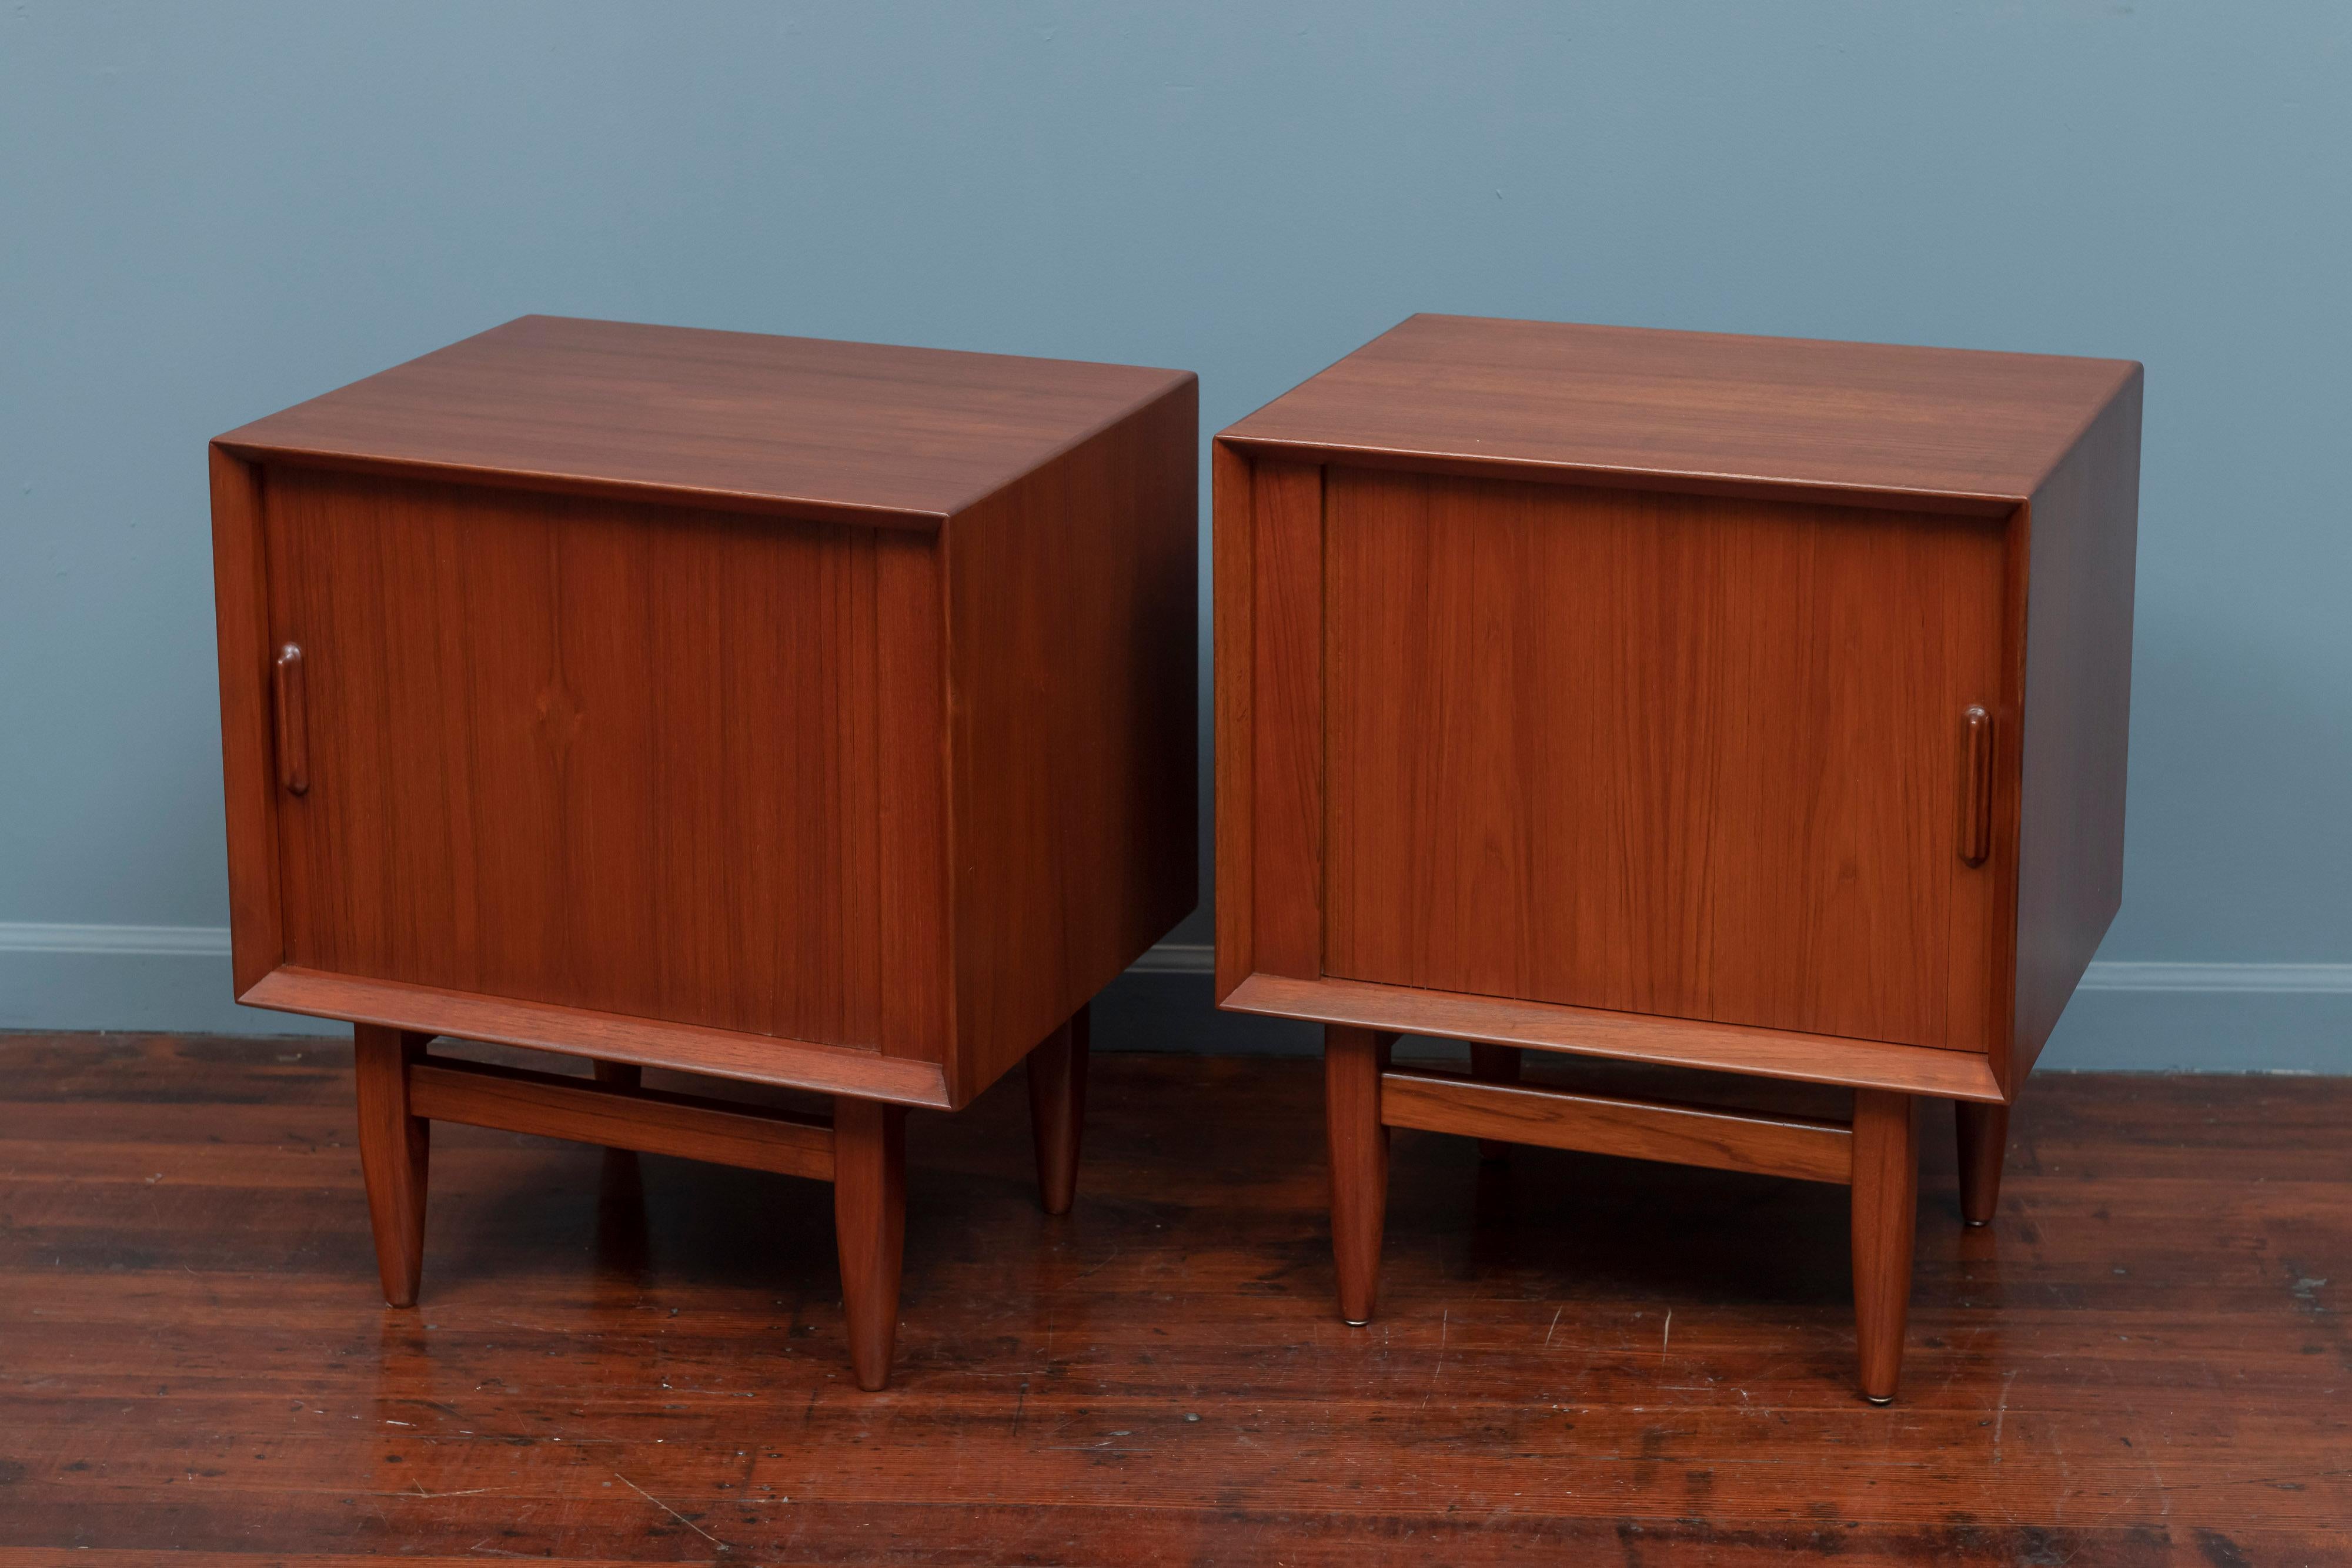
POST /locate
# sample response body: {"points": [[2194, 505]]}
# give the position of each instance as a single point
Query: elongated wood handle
{"points": [[1975, 789], [293, 724]]}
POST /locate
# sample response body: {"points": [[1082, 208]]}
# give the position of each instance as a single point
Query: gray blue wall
{"points": [[207, 212]]}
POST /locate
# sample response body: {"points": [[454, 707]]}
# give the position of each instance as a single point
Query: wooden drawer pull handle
{"points": [[293, 726], [1975, 793]]}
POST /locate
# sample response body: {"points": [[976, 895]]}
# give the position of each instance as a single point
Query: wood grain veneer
{"points": [[1065, 779], [1354, 1060], [869, 1225], [547, 1105], [1658, 753], [1628, 1036], [801, 427], [1884, 1217], [249, 756], [1983, 1135], [1287, 739], [2081, 530], [603, 1037], [396, 1153], [565, 755], [1057, 1109], [1794, 1146], [1697, 412]]}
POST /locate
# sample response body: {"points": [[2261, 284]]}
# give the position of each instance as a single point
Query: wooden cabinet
{"points": [[813, 713], [1744, 704]]}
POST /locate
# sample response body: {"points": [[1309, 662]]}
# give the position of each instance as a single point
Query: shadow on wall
{"points": [[1177, 1012]]}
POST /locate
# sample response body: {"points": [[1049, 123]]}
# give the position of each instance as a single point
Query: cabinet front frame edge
{"points": [[1650, 1038], [1753, 488], [916, 776], [1231, 532], [249, 744], [1289, 739], [2008, 798], [605, 1037], [804, 509]]}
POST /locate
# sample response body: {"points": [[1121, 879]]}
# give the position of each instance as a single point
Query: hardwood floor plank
{"points": [[620, 1359]]}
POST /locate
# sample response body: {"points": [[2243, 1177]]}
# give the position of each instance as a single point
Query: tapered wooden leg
{"points": [[1984, 1144], [1886, 1220], [621, 1249], [869, 1222], [1494, 1064], [621, 1207], [1057, 1110], [1353, 1060], [393, 1147]]}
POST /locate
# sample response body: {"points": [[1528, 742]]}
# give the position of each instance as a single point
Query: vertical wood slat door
{"points": [[1696, 756], [576, 751]]}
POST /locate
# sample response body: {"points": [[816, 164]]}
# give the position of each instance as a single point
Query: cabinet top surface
{"points": [[857, 431], [1750, 412]]}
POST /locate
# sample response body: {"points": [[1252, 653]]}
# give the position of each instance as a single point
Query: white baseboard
{"points": [[142, 941], [2131, 975], [2127, 1014]]}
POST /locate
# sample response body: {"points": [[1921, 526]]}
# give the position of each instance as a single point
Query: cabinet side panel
{"points": [[1661, 754], [583, 753], [1074, 629], [2083, 526], [249, 785], [1232, 529], [1287, 740]]}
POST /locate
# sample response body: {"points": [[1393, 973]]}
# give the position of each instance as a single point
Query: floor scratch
{"points": [[671, 1512], [1555, 1325], [1669, 1338], [2001, 1412]]}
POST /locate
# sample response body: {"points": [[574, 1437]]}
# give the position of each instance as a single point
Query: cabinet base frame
{"points": [[1875, 1155], [861, 1149]]}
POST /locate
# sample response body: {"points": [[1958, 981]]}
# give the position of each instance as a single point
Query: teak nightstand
{"points": [[806, 712], [1742, 703]]}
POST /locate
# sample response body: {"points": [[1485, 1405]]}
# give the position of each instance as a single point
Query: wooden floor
{"points": [[1577, 1360]]}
